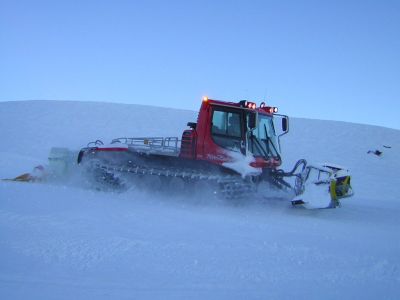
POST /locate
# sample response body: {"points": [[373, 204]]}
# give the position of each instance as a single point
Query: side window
{"points": [[226, 129], [219, 122]]}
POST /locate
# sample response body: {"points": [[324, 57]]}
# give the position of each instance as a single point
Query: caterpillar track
{"points": [[227, 186]]}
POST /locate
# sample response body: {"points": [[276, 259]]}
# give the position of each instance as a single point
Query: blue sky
{"points": [[336, 60]]}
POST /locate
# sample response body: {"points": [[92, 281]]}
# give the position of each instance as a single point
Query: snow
{"points": [[241, 164], [65, 241], [315, 196]]}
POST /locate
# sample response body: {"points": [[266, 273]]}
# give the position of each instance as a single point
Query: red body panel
{"points": [[111, 149]]}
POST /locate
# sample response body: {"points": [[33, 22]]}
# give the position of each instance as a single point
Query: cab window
{"points": [[226, 129]]}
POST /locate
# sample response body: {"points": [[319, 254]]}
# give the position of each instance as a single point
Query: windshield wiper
{"points": [[269, 141], [254, 138]]}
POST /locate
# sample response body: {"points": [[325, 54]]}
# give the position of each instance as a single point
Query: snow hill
{"points": [[67, 242]]}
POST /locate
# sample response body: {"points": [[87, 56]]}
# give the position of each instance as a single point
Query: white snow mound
{"points": [[62, 242]]}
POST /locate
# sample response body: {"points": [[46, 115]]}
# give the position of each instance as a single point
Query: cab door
{"points": [[227, 133]]}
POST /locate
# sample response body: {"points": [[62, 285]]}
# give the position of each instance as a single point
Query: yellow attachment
{"points": [[340, 189]]}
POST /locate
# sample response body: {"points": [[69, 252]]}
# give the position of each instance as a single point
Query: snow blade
{"points": [[324, 186]]}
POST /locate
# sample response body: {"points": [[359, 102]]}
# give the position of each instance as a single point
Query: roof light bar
{"points": [[243, 103], [247, 104], [270, 109]]}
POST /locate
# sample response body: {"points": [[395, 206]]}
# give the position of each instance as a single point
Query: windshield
{"points": [[263, 140]]}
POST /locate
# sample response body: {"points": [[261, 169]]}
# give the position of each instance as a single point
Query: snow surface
{"points": [[61, 241]]}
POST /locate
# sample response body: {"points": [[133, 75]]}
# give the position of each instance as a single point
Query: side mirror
{"points": [[192, 125], [285, 124], [252, 120]]}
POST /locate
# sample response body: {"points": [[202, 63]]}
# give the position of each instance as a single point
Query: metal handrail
{"points": [[151, 143]]}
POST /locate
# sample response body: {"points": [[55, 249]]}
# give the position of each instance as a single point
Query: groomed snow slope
{"points": [[68, 242]]}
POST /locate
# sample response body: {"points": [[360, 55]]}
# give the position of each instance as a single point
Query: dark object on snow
{"points": [[388, 147], [376, 152]]}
